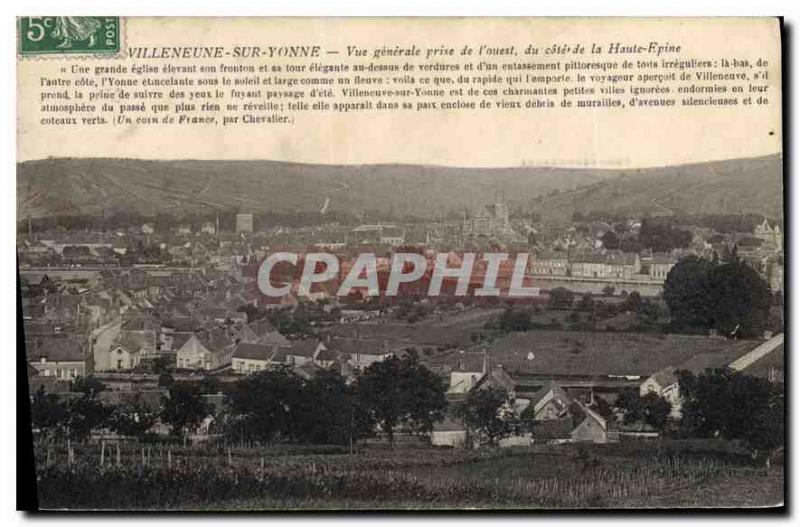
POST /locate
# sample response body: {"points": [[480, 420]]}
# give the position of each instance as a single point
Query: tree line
{"points": [[266, 407], [277, 406]]}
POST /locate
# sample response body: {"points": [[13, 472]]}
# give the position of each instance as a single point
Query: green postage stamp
{"points": [[40, 35]]}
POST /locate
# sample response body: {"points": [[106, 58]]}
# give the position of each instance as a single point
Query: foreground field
{"points": [[570, 476]]}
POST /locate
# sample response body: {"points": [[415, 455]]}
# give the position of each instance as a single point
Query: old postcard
{"points": [[359, 264]]}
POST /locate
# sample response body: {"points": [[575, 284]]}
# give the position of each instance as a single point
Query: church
{"points": [[489, 221], [772, 237]]}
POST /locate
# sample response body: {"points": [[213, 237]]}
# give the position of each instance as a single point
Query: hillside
{"points": [[93, 186], [741, 186]]}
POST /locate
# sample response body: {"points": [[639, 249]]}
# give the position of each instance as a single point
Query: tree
{"points": [[86, 412], [648, 313], [273, 405], [586, 303], [515, 319], [662, 237], [652, 409], [487, 416], [561, 298], [726, 403], [132, 419], [48, 412], [657, 410], [161, 365], [400, 392], [165, 380], [686, 292], [731, 298], [610, 240], [766, 432], [184, 409], [740, 300], [87, 385], [632, 405], [266, 404], [328, 412]]}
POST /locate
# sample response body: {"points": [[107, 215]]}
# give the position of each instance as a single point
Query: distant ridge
{"points": [[68, 186]]}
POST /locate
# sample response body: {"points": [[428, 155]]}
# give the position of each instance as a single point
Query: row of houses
{"points": [[578, 408], [257, 348], [556, 415], [602, 264]]}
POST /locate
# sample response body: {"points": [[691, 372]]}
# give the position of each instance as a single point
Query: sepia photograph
{"points": [[401, 264]]}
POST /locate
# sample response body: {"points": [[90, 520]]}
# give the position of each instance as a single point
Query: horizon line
{"points": [[407, 164]]}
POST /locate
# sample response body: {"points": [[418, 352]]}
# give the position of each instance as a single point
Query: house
{"points": [[771, 236], [361, 353], [589, 426], [206, 350], [611, 264], [549, 263], [250, 357], [660, 266], [124, 353], [588, 264], [468, 369], [549, 403], [307, 370], [497, 378], [299, 353], [64, 358], [215, 315], [449, 432], [328, 357], [664, 382], [49, 384], [622, 265], [392, 236], [144, 330], [262, 332], [176, 330]]}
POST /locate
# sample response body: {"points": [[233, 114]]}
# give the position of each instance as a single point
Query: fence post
{"points": [[169, 459], [102, 453], [230, 459], [119, 458]]}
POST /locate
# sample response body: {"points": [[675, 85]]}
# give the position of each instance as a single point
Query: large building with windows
{"points": [[244, 222]]}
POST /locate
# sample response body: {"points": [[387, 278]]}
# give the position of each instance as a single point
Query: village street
{"points": [[103, 337]]}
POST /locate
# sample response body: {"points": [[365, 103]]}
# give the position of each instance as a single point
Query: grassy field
{"points": [[630, 474], [589, 353]]}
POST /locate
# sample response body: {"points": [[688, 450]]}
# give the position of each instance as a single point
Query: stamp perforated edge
{"points": [[123, 46]]}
